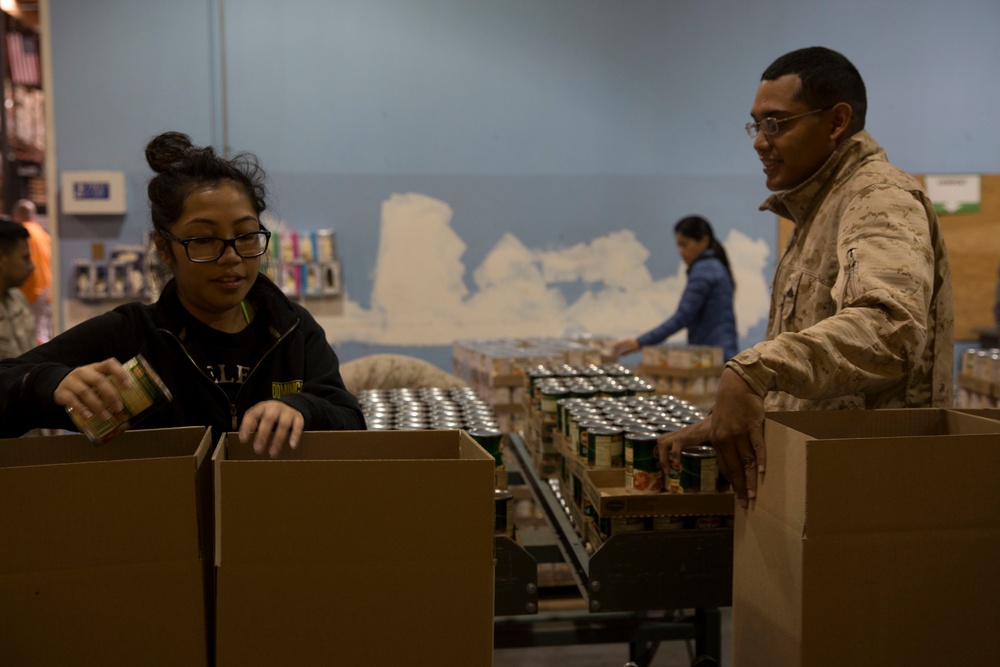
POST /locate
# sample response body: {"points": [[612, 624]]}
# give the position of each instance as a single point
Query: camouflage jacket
{"points": [[861, 313], [17, 324]]}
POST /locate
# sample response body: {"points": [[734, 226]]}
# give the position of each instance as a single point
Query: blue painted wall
{"points": [[556, 120]]}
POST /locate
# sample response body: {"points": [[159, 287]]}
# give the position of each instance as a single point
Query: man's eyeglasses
{"points": [[211, 248], [771, 126]]}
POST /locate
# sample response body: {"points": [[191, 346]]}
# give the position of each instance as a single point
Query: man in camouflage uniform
{"points": [[17, 324], [861, 313]]}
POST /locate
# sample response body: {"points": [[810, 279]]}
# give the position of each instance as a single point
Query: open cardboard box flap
{"points": [[356, 495], [878, 471], [872, 541], [66, 503]]}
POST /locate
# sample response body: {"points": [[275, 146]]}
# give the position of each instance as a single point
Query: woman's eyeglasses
{"points": [[211, 248]]}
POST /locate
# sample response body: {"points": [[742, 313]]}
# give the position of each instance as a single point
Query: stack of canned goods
{"points": [[620, 432], [436, 408], [426, 408], [547, 383]]}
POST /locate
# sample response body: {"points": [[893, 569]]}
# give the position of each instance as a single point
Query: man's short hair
{"points": [[24, 210], [11, 234], [827, 78]]}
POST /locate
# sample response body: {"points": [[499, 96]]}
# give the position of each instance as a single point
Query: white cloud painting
{"points": [[420, 294]]}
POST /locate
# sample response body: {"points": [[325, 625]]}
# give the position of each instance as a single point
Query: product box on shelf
{"points": [[358, 547], [101, 549], [872, 541]]}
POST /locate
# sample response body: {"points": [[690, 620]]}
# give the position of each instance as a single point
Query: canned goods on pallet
{"points": [[642, 469], [668, 523], [491, 441], [619, 525], [699, 471], [606, 447], [583, 436]]}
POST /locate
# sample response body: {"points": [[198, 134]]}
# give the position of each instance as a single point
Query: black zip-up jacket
{"points": [[298, 353]]}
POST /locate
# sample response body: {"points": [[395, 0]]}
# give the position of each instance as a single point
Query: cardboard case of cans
{"points": [[690, 372], [979, 379], [547, 386], [495, 368], [614, 479]]}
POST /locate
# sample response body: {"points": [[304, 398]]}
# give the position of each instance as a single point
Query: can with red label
{"points": [[642, 469]]}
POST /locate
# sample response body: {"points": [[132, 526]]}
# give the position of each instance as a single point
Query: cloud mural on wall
{"points": [[420, 295]]}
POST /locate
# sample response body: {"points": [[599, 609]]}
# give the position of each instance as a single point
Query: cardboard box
{"points": [[367, 548], [101, 559], [606, 490], [873, 541]]}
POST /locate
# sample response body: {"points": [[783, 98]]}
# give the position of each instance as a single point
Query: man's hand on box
{"points": [[275, 423], [738, 435]]}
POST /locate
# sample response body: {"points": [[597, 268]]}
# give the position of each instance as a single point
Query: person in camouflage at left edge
{"points": [[861, 313]]}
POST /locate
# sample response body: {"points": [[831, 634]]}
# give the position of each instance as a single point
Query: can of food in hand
{"points": [[699, 471], [146, 393], [503, 512], [642, 469], [606, 447]]}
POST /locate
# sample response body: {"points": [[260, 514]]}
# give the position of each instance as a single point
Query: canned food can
{"points": [[584, 391], [550, 397], [668, 522], [673, 482], [699, 471], [642, 469], [619, 525], [562, 407], [491, 441], [146, 393], [583, 437], [503, 512], [534, 377], [606, 447]]}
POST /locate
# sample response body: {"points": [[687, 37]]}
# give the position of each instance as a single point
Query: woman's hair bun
{"points": [[167, 149]]}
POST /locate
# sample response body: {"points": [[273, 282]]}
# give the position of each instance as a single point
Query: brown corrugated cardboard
{"points": [[101, 558], [872, 541], [606, 490], [356, 548]]}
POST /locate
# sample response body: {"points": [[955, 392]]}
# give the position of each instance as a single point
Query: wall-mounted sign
{"points": [[93, 192], [955, 193]]}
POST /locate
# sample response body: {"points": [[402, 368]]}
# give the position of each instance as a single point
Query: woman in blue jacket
{"points": [[234, 351], [706, 307]]}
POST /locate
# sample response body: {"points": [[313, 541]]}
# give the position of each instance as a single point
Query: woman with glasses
{"points": [[706, 307], [236, 354]]}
